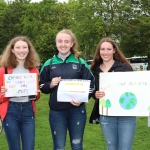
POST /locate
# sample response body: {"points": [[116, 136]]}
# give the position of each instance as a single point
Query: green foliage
{"points": [[38, 22], [108, 103], [87, 26], [2, 10], [103, 102], [10, 21], [127, 22], [136, 38]]}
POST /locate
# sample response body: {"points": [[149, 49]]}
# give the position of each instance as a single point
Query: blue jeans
{"points": [[19, 124], [72, 119], [118, 131]]}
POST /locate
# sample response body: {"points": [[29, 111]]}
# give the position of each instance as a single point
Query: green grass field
{"points": [[93, 138]]}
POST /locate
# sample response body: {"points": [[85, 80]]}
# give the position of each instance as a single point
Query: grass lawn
{"points": [[93, 138]]}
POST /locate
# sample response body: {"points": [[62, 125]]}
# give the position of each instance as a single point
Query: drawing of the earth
{"points": [[128, 100]]}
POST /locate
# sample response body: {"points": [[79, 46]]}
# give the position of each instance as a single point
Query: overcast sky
{"points": [[40, 0], [63, 0], [58, 0]]}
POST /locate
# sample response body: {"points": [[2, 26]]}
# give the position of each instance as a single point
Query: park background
{"points": [[127, 22]]}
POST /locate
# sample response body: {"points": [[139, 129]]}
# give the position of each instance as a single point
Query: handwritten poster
{"points": [[77, 90], [126, 93], [20, 84]]}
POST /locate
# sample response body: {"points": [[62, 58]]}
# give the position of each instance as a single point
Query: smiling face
{"points": [[106, 51], [63, 43], [20, 50]]}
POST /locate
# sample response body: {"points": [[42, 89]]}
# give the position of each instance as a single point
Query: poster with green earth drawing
{"points": [[126, 93]]}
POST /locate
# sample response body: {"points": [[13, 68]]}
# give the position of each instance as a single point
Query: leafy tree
{"points": [[108, 105], [103, 104], [86, 25], [38, 22], [10, 21], [134, 39], [127, 22], [94, 19], [3, 7]]}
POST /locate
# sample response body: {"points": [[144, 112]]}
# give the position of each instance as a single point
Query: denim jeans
{"points": [[72, 119], [118, 131], [19, 124]]}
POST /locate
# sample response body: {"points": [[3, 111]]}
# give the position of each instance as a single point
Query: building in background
{"points": [[139, 63]]}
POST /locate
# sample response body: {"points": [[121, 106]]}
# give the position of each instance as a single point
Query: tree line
{"points": [[127, 22]]}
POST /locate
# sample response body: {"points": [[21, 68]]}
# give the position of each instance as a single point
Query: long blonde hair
{"points": [[118, 55], [74, 48], [8, 58]]}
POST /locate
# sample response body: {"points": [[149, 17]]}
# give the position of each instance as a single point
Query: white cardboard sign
{"points": [[72, 89], [126, 93], [20, 84]]}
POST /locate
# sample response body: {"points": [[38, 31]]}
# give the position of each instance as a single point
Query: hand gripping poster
{"points": [[126, 93]]}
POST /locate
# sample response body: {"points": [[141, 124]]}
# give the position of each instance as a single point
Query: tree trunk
{"points": [[107, 111]]}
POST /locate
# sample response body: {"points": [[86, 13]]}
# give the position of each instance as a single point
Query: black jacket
{"points": [[70, 68], [117, 67]]}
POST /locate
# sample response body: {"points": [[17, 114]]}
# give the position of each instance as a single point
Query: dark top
{"points": [[70, 68], [116, 67]]}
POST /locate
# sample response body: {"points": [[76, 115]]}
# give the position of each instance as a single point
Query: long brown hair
{"points": [[8, 58], [118, 55], [73, 39]]}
